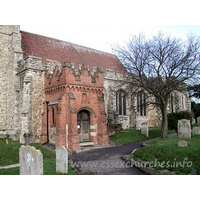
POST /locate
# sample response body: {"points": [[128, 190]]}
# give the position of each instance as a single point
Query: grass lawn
{"points": [[166, 155], [135, 136], [9, 154]]}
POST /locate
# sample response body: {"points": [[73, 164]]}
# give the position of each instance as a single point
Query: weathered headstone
{"points": [[184, 129], [182, 143], [31, 161], [196, 131], [144, 129], [198, 121], [61, 160]]}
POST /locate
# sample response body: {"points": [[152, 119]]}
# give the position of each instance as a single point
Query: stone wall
{"points": [[38, 99], [5, 45], [32, 97], [10, 54], [25, 105], [113, 82]]}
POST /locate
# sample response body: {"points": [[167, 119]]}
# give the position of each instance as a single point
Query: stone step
{"points": [[83, 144]]}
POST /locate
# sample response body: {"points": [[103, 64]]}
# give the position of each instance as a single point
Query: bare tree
{"points": [[161, 65]]}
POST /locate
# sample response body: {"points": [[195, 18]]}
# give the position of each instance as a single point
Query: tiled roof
{"points": [[49, 48]]}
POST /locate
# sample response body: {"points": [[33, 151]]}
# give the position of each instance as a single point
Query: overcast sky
{"points": [[104, 36], [100, 23]]}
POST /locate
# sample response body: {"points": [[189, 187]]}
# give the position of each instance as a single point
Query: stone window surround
{"points": [[121, 103], [142, 108]]}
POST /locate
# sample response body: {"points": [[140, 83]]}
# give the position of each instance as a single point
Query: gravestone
{"points": [[61, 160], [182, 143], [184, 129], [144, 129], [31, 161], [198, 121], [196, 131]]}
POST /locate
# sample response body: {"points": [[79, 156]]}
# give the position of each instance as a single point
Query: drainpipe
{"points": [[47, 102]]}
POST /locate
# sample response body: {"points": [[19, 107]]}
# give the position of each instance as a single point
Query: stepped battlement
{"points": [[83, 77], [57, 74]]}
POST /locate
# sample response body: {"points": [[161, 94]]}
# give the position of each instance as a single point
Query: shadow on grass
{"points": [[136, 136]]}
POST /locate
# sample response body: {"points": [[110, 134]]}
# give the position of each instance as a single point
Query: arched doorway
{"points": [[83, 125]]}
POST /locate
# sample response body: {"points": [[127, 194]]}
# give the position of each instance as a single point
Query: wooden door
{"points": [[83, 124]]}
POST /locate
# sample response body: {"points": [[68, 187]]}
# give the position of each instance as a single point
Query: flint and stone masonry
{"points": [[10, 54]]}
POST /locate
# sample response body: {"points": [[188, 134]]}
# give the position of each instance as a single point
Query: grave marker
{"points": [[196, 131], [182, 143], [198, 121], [61, 160], [31, 161], [144, 129], [184, 129]]}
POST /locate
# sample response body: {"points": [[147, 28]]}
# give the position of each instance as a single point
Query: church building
{"points": [[67, 94]]}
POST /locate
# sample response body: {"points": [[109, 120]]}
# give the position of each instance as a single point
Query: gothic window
{"points": [[121, 102], [141, 104]]}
